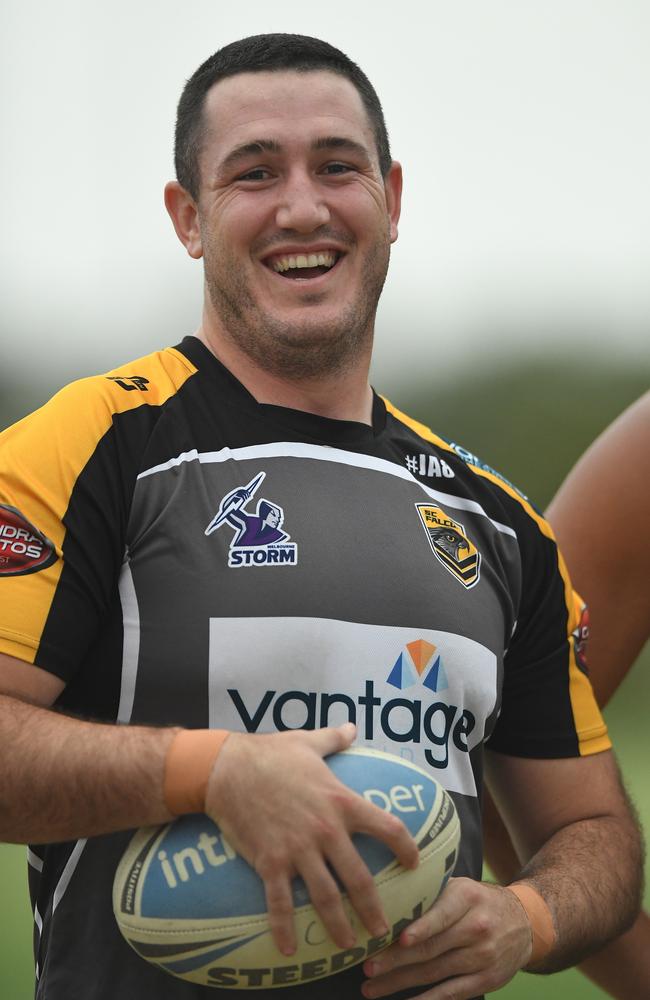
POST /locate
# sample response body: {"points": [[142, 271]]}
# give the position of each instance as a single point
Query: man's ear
{"points": [[393, 188], [184, 214]]}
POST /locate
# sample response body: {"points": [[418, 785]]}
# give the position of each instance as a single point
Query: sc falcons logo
{"points": [[450, 544]]}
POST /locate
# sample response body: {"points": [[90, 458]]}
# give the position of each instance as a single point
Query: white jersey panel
{"points": [[419, 693]]}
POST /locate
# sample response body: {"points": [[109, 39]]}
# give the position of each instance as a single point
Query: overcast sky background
{"points": [[522, 127]]}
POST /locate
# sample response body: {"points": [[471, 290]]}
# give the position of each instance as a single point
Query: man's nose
{"points": [[303, 206]]}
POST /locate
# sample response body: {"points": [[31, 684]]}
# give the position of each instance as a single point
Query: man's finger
{"points": [[451, 906], [332, 739], [441, 929], [279, 904], [327, 901], [367, 818], [359, 886], [449, 979]]}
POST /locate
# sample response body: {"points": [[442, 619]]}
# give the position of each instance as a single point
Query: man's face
{"points": [[295, 220]]}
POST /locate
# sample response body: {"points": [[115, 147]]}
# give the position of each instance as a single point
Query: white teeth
{"points": [[326, 258]]}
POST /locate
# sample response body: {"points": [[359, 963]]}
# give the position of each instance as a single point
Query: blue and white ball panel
{"points": [[185, 901]]}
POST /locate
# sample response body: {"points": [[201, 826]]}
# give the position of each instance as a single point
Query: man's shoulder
{"points": [[151, 379], [94, 401], [77, 420]]}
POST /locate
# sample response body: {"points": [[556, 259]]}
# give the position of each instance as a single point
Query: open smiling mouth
{"points": [[303, 266]]}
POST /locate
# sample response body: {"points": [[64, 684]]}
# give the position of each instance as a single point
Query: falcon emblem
{"points": [[450, 544]]}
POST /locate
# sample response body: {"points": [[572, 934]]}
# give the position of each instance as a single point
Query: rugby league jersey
{"points": [[180, 554]]}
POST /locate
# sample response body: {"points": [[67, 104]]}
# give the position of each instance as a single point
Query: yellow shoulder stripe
{"points": [[421, 429], [587, 718]]}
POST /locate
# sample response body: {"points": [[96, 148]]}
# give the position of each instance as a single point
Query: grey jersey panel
{"points": [[354, 625]]}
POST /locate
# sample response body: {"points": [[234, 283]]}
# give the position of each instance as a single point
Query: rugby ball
{"points": [[185, 901]]}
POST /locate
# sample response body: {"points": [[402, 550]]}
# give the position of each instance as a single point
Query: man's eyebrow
{"points": [[340, 142], [248, 149]]}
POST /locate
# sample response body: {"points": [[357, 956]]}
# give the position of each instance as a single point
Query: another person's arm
{"points": [[601, 518]]}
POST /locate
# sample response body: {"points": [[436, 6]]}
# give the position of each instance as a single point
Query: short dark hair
{"points": [[263, 53]]}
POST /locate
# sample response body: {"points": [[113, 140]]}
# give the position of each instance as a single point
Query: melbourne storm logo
{"points": [[450, 544], [259, 539]]}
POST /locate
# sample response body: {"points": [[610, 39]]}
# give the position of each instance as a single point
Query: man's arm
{"points": [[64, 778], [573, 826], [571, 821]]}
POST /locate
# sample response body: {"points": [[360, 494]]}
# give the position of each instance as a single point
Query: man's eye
{"points": [[337, 168], [258, 174]]}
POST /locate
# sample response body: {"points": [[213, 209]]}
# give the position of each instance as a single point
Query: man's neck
{"points": [[345, 396]]}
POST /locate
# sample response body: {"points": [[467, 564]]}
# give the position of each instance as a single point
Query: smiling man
{"points": [[294, 220], [213, 668]]}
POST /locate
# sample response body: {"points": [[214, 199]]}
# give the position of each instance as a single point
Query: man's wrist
{"points": [[188, 765], [542, 928]]}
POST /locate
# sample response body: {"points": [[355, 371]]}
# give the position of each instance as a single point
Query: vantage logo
{"points": [[401, 720]]}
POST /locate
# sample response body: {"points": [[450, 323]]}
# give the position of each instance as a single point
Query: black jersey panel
{"points": [[537, 717], [93, 546], [216, 411], [93, 692]]}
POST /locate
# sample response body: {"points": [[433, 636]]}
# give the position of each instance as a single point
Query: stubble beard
{"points": [[296, 350]]}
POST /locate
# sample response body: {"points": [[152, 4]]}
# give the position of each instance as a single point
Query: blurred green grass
{"points": [[16, 963], [531, 422]]}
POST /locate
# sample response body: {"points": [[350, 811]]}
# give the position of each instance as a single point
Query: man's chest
{"points": [[292, 585]]}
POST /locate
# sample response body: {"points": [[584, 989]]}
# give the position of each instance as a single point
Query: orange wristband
{"points": [[539, 916], [188, 764]]}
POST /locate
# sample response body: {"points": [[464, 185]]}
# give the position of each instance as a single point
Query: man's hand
{"points": [[282, 809], [472, 941]]}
